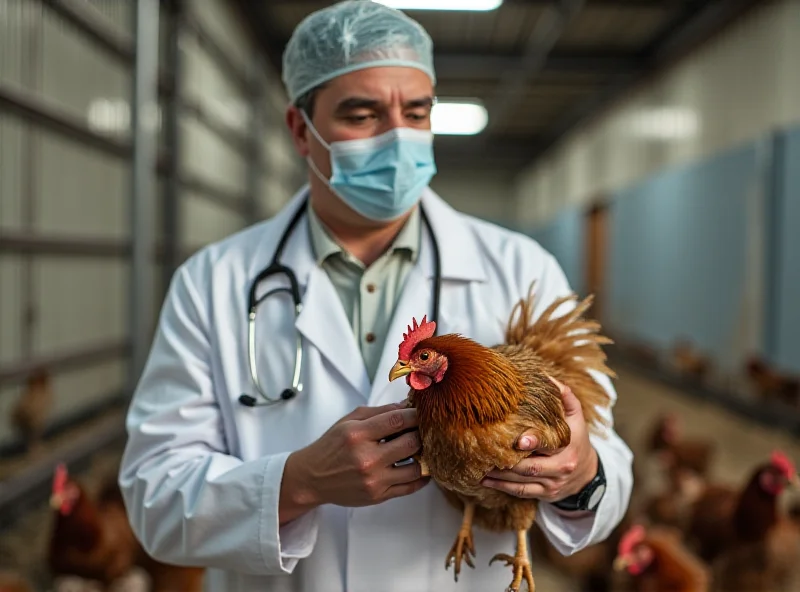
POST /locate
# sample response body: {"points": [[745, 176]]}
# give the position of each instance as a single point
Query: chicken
{"points": [[762, 549], [690, 362], [673, 506], [723, 517], [678, 454], [590, 567], [94, 540], [89, 540], [13, 582], [771, 384], [657, 561], [31, 412], [473, 402]]}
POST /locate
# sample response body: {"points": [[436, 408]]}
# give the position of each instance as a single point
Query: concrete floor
{"points": [[742, 445]]}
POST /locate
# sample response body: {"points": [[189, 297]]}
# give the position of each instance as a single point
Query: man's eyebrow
{"points": [[352, 103], [422, 102]]}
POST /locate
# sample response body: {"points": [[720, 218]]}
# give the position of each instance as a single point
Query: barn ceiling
{"points": [[541, 67]]}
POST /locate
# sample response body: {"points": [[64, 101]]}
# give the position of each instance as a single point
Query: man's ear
{"points": [[297, 128]]}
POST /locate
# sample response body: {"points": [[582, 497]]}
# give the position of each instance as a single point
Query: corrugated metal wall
{"points": [[65, 177]]}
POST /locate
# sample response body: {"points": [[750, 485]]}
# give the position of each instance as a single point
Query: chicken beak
{"points": [[399, 369], [794, 481], [621, 563], [55, 501]]}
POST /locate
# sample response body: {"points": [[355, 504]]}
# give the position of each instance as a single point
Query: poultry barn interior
{"points": [[651, 146]]}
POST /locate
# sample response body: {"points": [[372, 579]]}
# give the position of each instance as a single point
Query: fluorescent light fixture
{"points": [[458, 118], [666, 123], [472, 5]]}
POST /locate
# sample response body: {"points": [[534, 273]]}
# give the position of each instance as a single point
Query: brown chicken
{"points": [[94, 540], [13, 582], [657, 561], [690, 362], [32, 410], [677, 453], [473, 402], [761, 550], [723, 517], [771, 384]]}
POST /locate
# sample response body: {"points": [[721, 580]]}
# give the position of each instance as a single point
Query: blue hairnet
{"points": [[350, 36]]}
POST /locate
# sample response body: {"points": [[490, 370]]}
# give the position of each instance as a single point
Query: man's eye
{"points": [[424, 356], [358, 118]]}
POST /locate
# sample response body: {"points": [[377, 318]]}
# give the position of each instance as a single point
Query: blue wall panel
{"points": [[564, 237], [787, 279], [677, 254]]}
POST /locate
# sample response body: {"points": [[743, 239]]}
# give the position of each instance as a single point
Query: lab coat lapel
{"points": [[324, 323]]}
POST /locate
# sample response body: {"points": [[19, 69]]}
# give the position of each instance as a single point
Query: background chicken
{"points": [[724, 517], [473, 403], [13, 582], [32, 410], [657, 561], [94, 540]]}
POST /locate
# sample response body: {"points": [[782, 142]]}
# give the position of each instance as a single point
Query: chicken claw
{"points": [[464, 545], [521, 563]]}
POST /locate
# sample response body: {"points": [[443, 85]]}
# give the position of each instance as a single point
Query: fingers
{"points": [[388, 423], [406, 488], [364, 413], [537, 468], [400, 448], [523, 490], [571, 404]]}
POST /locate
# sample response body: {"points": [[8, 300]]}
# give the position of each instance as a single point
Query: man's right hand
{"points": [[350, 466]]}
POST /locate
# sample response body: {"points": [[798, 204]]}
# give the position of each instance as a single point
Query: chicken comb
{"points": [[634, 536], [416, 333], [780, 461], [60, 478]]}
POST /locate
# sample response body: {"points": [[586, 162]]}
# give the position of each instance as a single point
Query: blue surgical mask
{"points": [[381, 177]]}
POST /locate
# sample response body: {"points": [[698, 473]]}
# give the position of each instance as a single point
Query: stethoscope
{"points": [[275, 268]]}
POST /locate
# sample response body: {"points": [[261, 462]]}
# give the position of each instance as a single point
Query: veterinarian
{"points": [[255, 433]]}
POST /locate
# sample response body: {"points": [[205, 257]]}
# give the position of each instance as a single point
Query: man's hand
{"points": [[551, 475], [350, 466]]}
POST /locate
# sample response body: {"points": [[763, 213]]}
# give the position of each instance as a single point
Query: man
{"points": [[308, 494]]}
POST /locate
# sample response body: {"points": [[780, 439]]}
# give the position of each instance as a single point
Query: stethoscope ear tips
{"points": [[247, 400], [288, 394]]}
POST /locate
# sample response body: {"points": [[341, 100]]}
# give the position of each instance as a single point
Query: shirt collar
{"points": [[324, 244]]}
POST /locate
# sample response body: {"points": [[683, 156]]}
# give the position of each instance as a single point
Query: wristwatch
{"points": [[588, 498]]}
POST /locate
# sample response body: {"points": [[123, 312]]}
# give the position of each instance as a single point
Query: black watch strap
{"points": [[588, 498]]}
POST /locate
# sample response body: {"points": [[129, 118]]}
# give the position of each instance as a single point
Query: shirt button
{"points": [[370, 337], [370, 288]]}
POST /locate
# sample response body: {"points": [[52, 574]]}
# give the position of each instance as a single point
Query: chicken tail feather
{"points": [[569, 343]]}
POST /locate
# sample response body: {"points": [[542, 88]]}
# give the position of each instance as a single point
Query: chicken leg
{"points": [[464, 539], [521, 563]]}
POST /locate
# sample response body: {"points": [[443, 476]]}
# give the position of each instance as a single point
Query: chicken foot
{"points": [[463, 542], [521, 563]]}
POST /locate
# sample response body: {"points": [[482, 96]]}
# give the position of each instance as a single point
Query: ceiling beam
{"points": [[696, 22], [546, 32], [456, 65]]}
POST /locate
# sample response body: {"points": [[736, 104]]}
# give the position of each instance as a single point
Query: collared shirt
{"points": [[368, 294]]}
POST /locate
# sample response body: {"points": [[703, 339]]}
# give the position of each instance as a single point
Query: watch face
{"points": [[597, 495]]}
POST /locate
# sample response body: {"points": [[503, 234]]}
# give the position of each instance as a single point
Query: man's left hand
{"points": [[551, 475]]}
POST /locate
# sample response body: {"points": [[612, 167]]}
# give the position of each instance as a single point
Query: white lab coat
{"points": [[201, 473]]}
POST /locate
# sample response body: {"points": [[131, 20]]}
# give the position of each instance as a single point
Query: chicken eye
{"points": [[424, 356]]}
